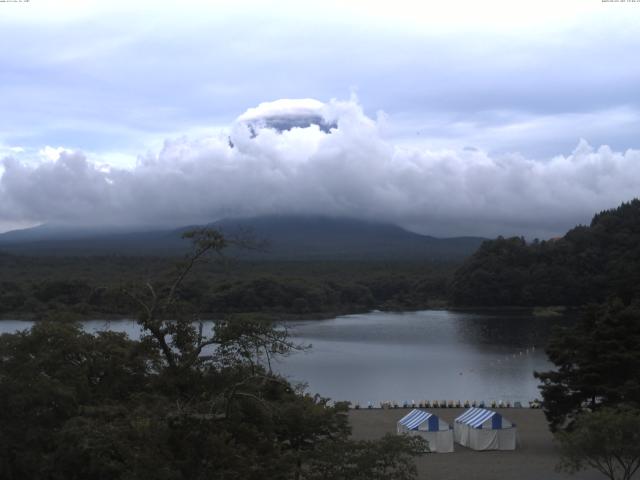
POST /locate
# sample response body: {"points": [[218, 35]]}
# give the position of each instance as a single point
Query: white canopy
{"points": [[482, 429], [428, 426]]}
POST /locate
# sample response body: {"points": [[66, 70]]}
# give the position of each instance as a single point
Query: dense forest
{"points": [[280, 265], [93, 286], [588, 265]]}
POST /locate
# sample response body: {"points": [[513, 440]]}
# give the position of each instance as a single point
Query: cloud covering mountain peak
{"points": [[287, 113], [336, 162]]}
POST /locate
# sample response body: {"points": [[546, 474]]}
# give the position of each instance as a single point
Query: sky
{"points": [[449, 118]]}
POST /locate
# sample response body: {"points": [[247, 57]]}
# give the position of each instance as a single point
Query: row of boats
{"points": [[388, 404]]}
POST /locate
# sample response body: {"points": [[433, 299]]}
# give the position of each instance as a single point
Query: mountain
{"points": [[285, 238], [63, 241]]}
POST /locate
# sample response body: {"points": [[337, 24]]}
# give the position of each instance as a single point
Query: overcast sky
{"points": [[464, 117]]}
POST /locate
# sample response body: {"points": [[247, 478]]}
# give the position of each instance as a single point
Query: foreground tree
{"points": [[598, 364], [54, 374], [390, 457], [592, 399], [181, 403], [607, 440]]}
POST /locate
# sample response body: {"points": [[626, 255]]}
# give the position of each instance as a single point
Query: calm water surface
{"points": [[431, 354], [426, 355]]}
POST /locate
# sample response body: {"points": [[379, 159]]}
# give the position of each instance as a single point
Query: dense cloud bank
{"points": [[350, 171]]}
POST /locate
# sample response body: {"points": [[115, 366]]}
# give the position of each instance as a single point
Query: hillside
{"points": [[310, 265], [285, 237], [587, 265]]}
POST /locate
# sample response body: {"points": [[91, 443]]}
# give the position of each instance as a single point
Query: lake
{"points": [[407, 356]]}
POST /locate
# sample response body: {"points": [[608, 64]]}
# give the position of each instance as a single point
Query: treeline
{"points": [[308, 296], [97, 286], [588, 265]]}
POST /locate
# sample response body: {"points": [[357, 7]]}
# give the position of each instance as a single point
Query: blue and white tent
{"points": [[428, 426], [482, 429]]}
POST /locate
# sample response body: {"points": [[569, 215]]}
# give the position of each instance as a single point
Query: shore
{"points": [[535, 457]]}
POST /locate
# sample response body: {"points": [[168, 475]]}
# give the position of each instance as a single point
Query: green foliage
{"points": [[587, 265], [74, 405], [607, 440], [67, 292], [92, 287], [597, 364], [12, 297], [180, 404], [48, 376], [391, 457]]}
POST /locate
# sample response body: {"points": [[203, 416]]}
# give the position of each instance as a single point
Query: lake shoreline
{"points": [[274, 316], [537, 311]]}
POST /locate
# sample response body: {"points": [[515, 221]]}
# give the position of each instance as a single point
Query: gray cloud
{"points": [[353, 170]]}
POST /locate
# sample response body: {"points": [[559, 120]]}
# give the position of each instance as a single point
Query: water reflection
{"points": [[430, 355]]}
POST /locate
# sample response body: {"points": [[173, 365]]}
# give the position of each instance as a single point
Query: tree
{"points": [[179, 404], [607, 440], [588, 264], [54, 373], [390, 457], [176, 337], [598, 364]]}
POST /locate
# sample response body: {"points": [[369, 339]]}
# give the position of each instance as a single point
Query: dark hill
{"points": [[333, 238], [587, 265], [75, 241], [286, 237]]}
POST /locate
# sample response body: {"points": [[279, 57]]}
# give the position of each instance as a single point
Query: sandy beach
{"points": [[534, 459]]}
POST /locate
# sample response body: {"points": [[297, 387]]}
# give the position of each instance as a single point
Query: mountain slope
{"points": [[286, 238]]}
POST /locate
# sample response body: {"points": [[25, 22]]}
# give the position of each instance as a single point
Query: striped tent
{"points": [[428, 426], [482, 429]]}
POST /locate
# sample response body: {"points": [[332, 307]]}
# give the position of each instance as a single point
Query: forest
{"points": [[93, 286], [587, 265]]}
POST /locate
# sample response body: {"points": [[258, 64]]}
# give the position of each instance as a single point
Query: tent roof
{"points": [[475, 417], [414, 419]]}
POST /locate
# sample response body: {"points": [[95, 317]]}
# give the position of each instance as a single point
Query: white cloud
{"points": [[284, 106], [53, 153], [352, 171]]}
